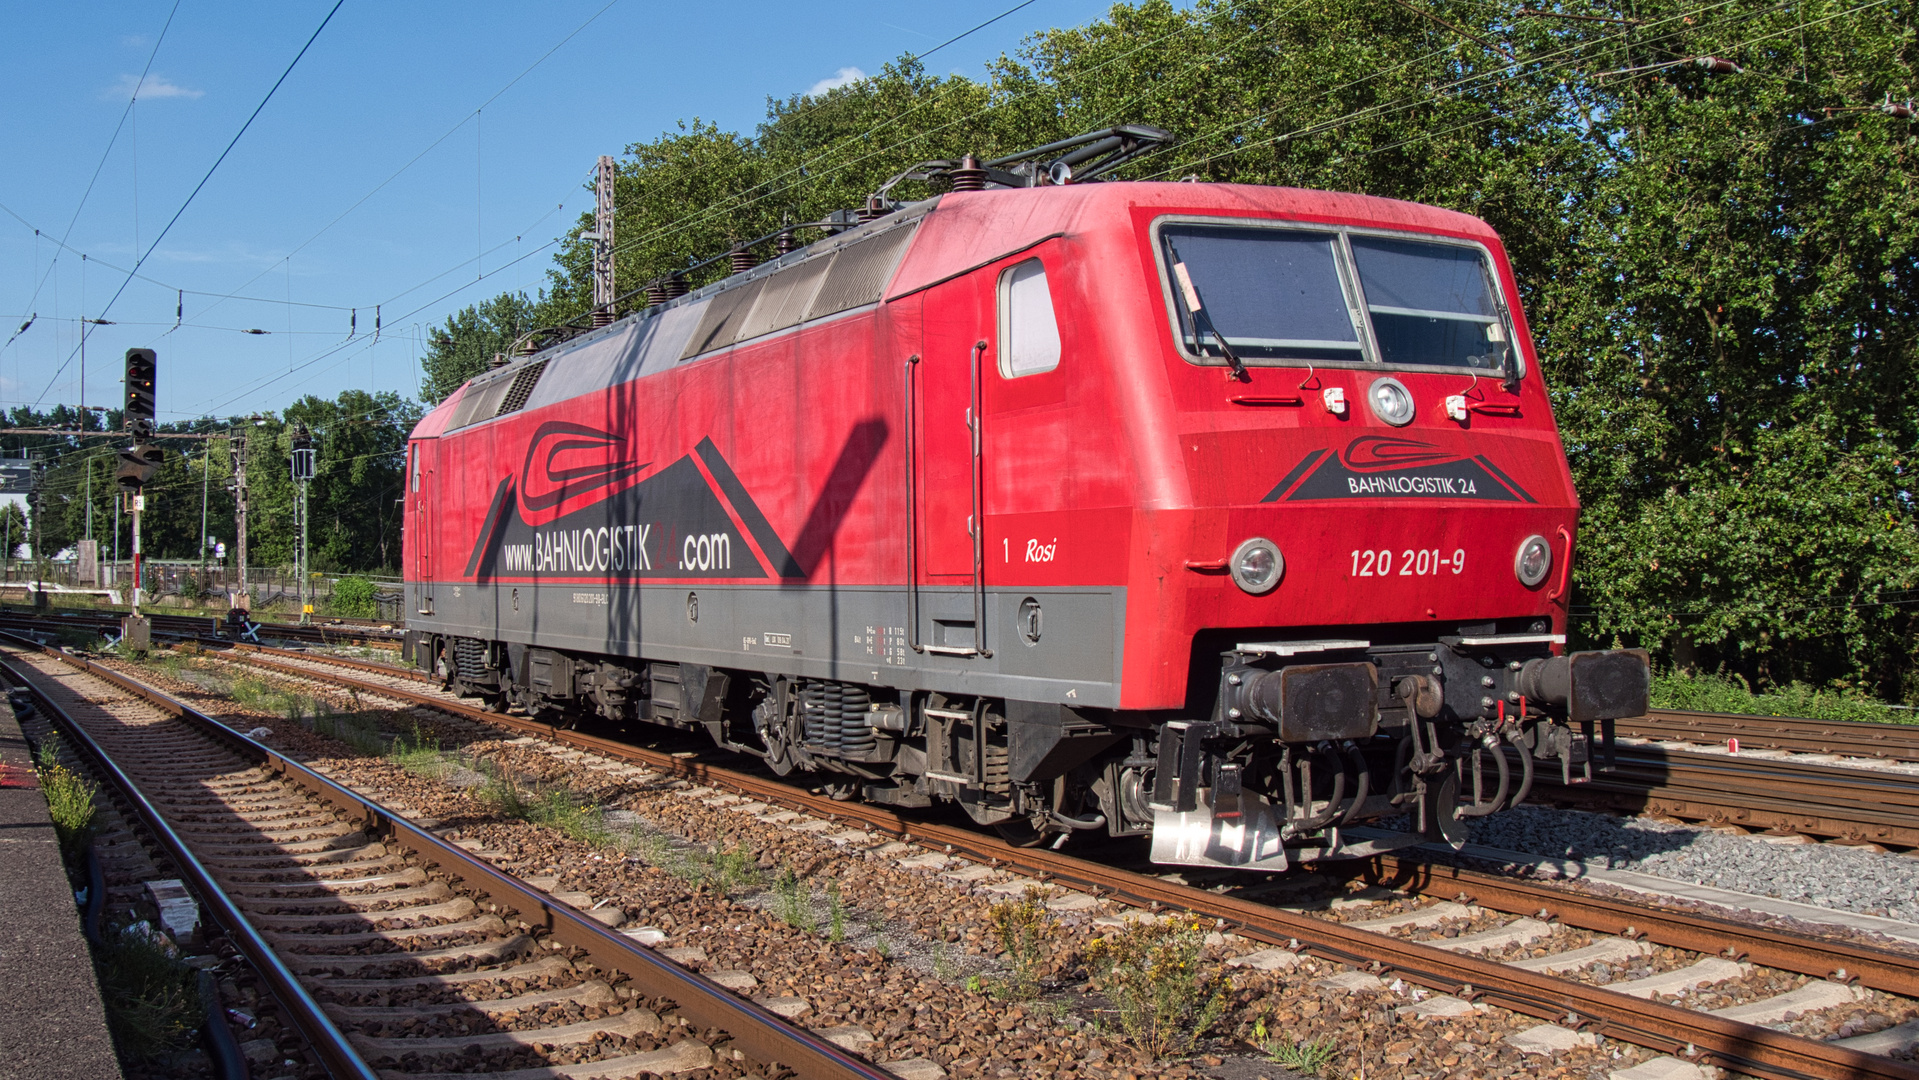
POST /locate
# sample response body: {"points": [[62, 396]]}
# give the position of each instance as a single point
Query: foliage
{"points": [[1155, 974], [1307, 1057], [151, 1001], [1730, 694], [469, 341], [419, 755], [70, 803], [355, 598], [1719, 276], [560, 809], [795, 901], [355, 522], [1023, 931]]}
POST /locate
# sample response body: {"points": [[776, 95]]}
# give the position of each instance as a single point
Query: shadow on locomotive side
{"points": [[1230, 515]]}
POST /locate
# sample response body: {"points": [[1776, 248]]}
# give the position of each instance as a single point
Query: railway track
{"points": [[358, 633], [1837, 970], [1776, 734], [1779, 795], [395, 953]]}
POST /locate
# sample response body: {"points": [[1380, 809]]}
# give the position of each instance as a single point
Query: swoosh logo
{"points": [[1371, 453], [569, 466]]}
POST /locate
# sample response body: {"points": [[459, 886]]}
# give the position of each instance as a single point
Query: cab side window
{"points": [[1028, 330]]}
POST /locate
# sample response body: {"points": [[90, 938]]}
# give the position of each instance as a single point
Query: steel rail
{"points": [[201, 627], [337, 1054], [1758, 793], [1736, 1046], [1858, 805], [1890, 970], [1892, 741], [753, 1029]]}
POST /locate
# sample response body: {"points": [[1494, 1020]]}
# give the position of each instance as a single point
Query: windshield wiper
{"points": [[1199, 316]]}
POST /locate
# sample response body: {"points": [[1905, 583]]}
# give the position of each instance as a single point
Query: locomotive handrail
{"points": [[1565, 565], [912, 513], [978, 520]]}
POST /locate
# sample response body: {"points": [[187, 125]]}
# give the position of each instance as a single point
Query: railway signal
{"points": [[142, 368], [303, 464], [138, 464]]}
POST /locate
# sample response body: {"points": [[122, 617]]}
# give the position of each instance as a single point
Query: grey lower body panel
{"points": [[848, 633]]}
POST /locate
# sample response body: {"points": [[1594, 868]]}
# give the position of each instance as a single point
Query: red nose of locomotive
{"points": [[1382, 541]]}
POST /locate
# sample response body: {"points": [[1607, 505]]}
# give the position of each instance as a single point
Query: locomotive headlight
{"points": [[1257, 565], [1391, 401], [1533, 560]]}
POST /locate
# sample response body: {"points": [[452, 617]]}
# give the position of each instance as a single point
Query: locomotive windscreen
{"points": [[1291, 295]]}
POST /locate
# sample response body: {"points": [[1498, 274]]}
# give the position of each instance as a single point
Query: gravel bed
{"points": [[911, 946], [1828, 875]]}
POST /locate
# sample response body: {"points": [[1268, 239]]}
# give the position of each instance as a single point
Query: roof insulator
{"points": [[969, 176], [1897, 111], [741, 259], [1718, 66], [674, 286]]}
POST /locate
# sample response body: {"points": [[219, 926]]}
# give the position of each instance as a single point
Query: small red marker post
{"points": [[1732, 746]]}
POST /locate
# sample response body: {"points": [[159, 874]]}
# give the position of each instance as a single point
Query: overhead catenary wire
{"points": [[200, 186], [132, 99], [430, 147]]}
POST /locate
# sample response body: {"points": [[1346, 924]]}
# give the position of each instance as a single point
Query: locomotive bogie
{"points": [[1043, 504]]}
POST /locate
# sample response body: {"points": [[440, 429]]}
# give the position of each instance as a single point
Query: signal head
{"points": [[141, 376]]}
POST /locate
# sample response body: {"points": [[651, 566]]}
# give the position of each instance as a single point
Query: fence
{"points": [[186, 585]]}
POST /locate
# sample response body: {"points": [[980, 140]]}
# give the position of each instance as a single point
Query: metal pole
{"points": [[603, 293], [240, 513], [206, 467], [139, 503], [306, 604]]}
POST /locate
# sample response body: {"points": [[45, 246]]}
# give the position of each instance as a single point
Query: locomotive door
{"points": [[956, 340], [417, 490]]}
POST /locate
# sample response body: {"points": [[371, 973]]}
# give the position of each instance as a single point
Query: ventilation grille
{"points": [[522, 388]]}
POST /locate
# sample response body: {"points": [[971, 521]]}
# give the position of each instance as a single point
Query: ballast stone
{"points": [[915, 1069], [1431, 915], [1519, 932], [847, 1037]]}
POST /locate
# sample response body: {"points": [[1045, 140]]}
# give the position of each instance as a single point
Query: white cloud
{"points": [[845, 76], [155, 86]]}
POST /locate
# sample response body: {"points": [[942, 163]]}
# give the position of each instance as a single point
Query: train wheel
{"points": [[1021, 832]]}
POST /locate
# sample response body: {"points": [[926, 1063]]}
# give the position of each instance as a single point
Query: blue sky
{"points": [[379, 86]]}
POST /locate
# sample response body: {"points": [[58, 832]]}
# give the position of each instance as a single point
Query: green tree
{"points": [[470, 340], [1718, 259]]}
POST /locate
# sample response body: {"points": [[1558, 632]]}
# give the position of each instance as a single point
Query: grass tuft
{"points": [[795, 901], [1722, 694], [1155, 974], [1023, 930], [1308, 1057], [70, 804], [420, 755], [151, 1001]]}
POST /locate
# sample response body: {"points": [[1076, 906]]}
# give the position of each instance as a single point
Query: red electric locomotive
{"points": [[1234, 515]]}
